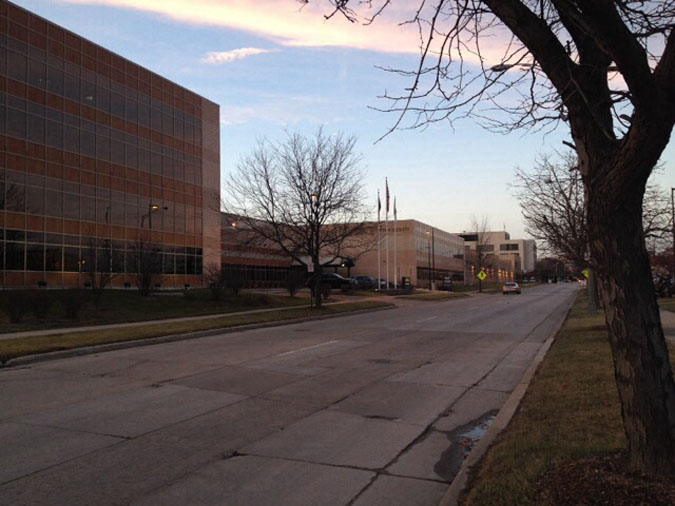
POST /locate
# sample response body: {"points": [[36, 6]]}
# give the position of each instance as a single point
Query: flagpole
{"points": [[386, 227], [379, 260], [396, 276]]}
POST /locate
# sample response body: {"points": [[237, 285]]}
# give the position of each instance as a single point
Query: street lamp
{"points": [[151, 209]]}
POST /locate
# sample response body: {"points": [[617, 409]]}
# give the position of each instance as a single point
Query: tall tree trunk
{"points": [[641, 363]]}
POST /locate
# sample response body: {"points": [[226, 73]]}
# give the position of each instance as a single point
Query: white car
{"points": [[510, 287]]}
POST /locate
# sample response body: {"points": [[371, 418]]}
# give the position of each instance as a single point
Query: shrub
{"points": [[41, 302], [293, 283], [15, 304], [72, 302]]}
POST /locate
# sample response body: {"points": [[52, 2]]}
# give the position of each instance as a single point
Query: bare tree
{"points": [[483, 256], [606, 69], [303, 195], [98, 265], [551, 198], [147, 266]]}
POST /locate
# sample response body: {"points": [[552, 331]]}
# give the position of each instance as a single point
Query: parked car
{"points": [[383, 284], [510, 287], [446, 284], [365, 282], [334, 280]]}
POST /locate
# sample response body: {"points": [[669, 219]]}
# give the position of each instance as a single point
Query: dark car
{"points": [[365, 282], [334, 280]]}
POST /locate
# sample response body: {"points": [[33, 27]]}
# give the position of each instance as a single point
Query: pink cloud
{"points": [[234, 54], [286, 22]]}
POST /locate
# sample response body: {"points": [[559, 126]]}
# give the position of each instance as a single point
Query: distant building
{"points": [[516, 255], [98, 154], [258, 263], [423, 253]]}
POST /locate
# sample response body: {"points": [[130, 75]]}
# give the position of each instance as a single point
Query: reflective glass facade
{"points": [[98, 152]]}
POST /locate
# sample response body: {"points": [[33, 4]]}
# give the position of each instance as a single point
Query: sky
{"points": [[275, 67]]}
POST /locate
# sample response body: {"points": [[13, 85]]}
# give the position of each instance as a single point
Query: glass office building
{"points": [[99, 154]]}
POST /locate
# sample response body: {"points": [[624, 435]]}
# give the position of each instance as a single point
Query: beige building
{"points": [[511, 257], [419, 251]]}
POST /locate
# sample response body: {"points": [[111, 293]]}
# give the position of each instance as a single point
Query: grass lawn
{"points": [[570, 411], [128, 306], [667, 303], [433, 296], [17, 347]]}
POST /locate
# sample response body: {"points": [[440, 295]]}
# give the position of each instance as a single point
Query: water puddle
{"points": [[462, 440]]}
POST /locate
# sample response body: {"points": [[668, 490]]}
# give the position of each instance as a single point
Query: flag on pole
{"points": [[386, 228], [394, 208], [379, 206]]}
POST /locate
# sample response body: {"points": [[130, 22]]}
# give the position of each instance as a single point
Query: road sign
{"points": [[481, 275], [585, 272]]}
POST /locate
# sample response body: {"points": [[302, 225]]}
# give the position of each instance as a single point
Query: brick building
{"points": [[98, 152]]}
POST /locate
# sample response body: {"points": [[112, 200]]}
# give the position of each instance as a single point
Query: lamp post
{"points": [[151, 209]]}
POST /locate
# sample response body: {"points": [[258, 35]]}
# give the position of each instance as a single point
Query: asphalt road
{"points": [[362, 410]]}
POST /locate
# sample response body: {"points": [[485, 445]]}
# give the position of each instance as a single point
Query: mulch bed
{"points": [[602, 481]]}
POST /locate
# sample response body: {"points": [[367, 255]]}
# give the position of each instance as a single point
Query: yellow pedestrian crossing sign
{"points": [[481, 275], [585, 272]]}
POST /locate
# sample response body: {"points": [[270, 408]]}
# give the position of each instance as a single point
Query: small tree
{"points": [[305, 196], [98, 266], [482, 256], [147, 266], [214, 276]]}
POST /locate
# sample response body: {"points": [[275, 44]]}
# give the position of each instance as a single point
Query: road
{"points": [[360, 410]]}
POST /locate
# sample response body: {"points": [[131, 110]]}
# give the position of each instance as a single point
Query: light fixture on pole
{"points": [[151, 209]]}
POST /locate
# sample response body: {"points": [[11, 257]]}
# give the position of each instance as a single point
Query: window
{"points": [[71, 139], [169, 267], [88, 93], [103, 99], [55, 80], [71, 206], [117, 105], [53, 203], [131, 109], [15, 197], [35, 257], [508, 247], [54, 134], [37, 74], [14, 256], [117, 152], [71, 86], [35, 129], [16, 66], [88, 208], [71, 257], [102, 148], [87, 143], [16, 123], [53, 258]]}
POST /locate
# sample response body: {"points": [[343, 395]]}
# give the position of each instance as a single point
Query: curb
{"points": [[101, 348], [501, 421]]}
